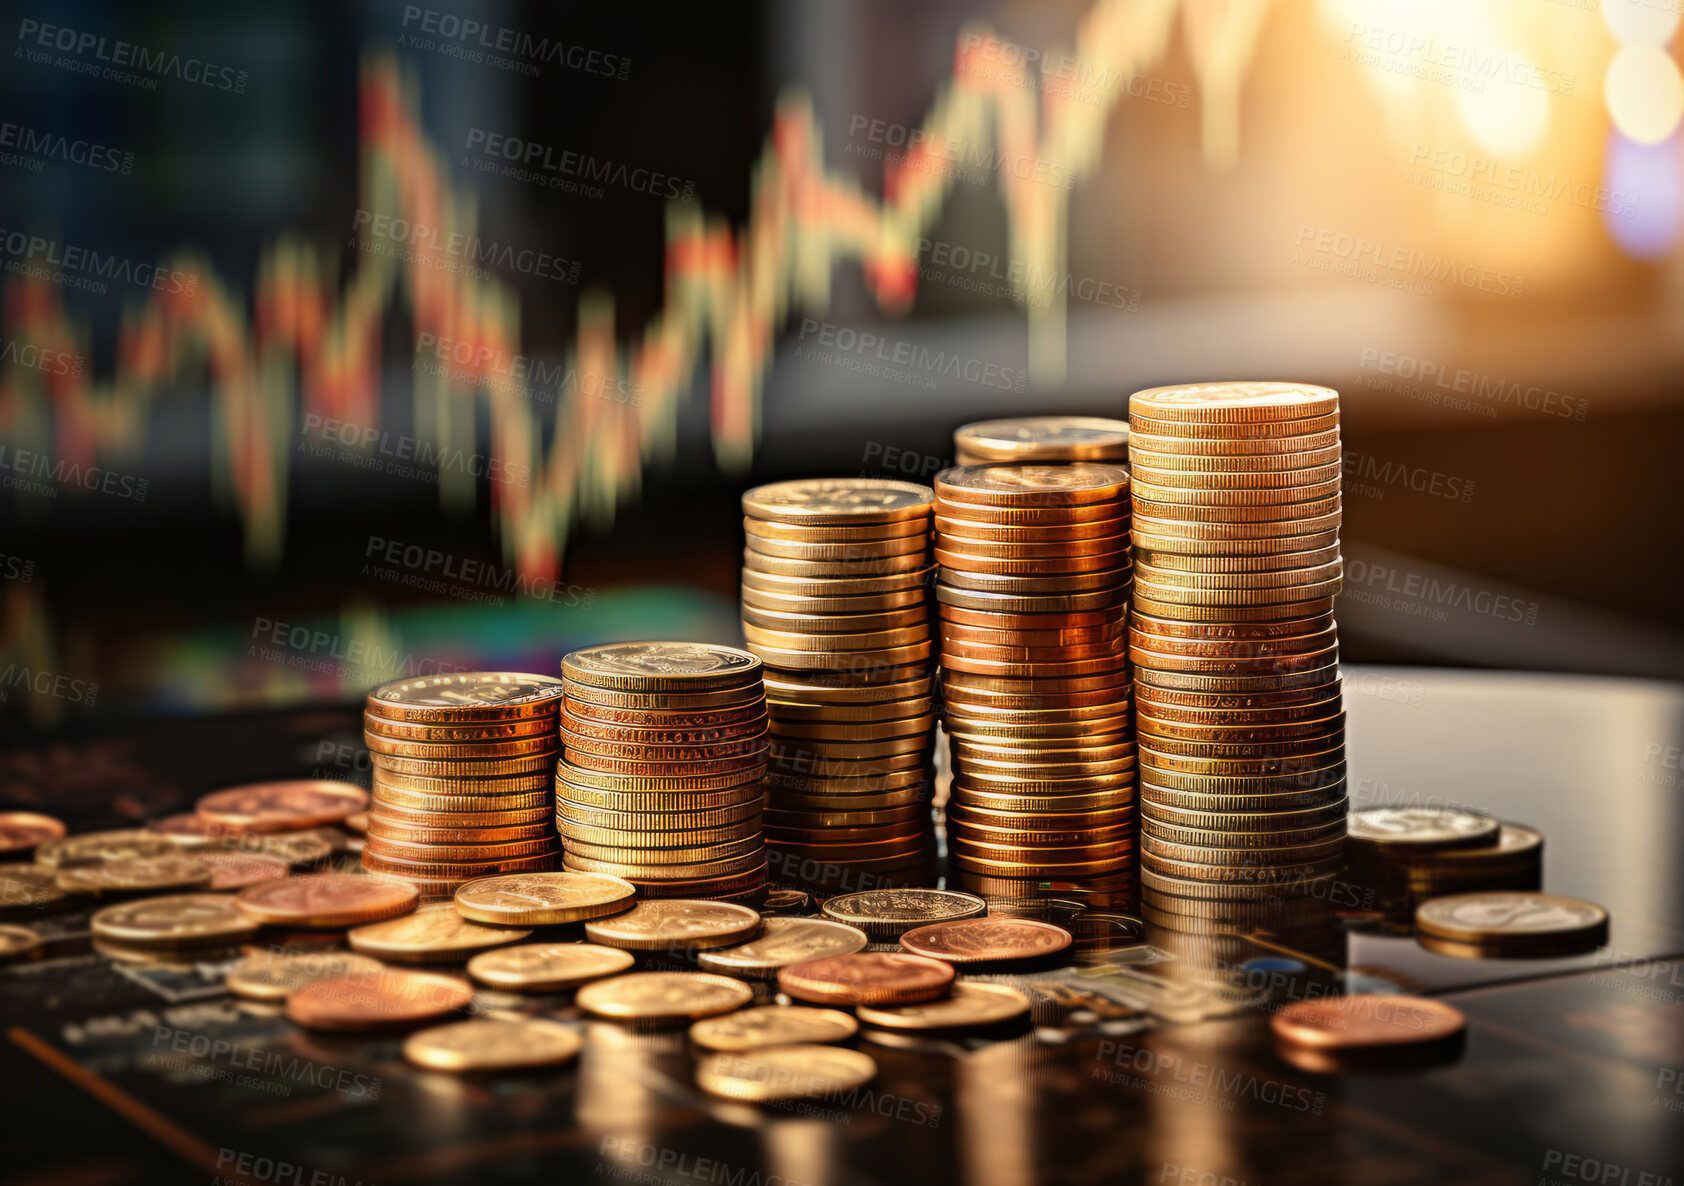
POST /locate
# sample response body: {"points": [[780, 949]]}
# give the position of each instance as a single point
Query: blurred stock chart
{"points": [[344, 342]]}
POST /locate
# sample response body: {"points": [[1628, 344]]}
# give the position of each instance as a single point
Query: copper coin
{"points": [[987, 940], [326, 900], [137, 875], [867, 978], [21, 831], [93, 847], [1366, 1021], [283, 806], [236, 870], [386, 1000], [467, 696], [663, 998], [177, 921], [276, 975], [970, 1006]]}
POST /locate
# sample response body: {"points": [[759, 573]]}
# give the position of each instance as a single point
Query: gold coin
{"points": [[511, 850], [731, 699], [547, 967], [888, 913], [814, 692], [490, 1044], [1421, 829], [784, 1073], [687, 667], [1230, 490], [876, 584], [862, 663], [466, 768], [1042, 440], [842, 605], [23, 831], [971, 1005], [1231, 403], [543, 899], [820, 501], [832, 533], [773, 1025], [17, 942], [1513, 920], [1015, 486], [645, 871], [1032, 584], [436, 733], [844, 550], [180, 920], [1292, 437], [704, 821], [434, 933], [466, 696], [876, 640], [389, 798], [94, 847], [578, 778], [575, 800], [466, 827], [676, 923], [30, 889], [657, 998], [696, 843], [136, 875], [1204, 463], [276, 975], [513, 747], [781, 942], [754, 561]]}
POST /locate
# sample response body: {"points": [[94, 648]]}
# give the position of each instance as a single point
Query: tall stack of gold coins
{"points": [[1237, 691], [1034, 577], [1042, 440], [462, 770], [836, 603], [664, 757]]}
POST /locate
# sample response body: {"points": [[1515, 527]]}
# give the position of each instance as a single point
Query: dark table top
{"points": [[1146, 1063]]}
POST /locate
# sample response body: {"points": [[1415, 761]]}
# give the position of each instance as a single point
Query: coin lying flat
{"points": [[276, 975], [1422, 828], [21, 831], [467, 696], [1041, 440], [987, 940], [388, 1000], [327, 900], [137, 875], [433, 933], [663, 997], [93, 847], [888, 913], [543, 899], [867, 978], [30, 889], [287, 806], [1366, 1021], [773, 1025], [236, 870], [784, 1073], [17, 942], [547, 967], [676, 922], [180, 920], [781, 942], [486, 1044], [1513, 922], [970, 1006]]}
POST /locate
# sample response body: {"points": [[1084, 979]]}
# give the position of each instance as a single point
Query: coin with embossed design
{"points": [[179, 920], [326, 900], [784, 1073], [543, 899], [663, 998], [492, 1044], [987, 940], [683, 923], [781, 942], [547, 967], [773, 1025], [888, 913], [434, 933]]}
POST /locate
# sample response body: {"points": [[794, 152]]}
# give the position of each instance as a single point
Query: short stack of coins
{"points": [[835, 601], [461, 784], [1042, 440], [1237, 690], [1034, 579], [1404, 856], [661, 777]]}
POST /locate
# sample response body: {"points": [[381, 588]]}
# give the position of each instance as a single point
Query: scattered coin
{"points": [[282, 806], [867, 978], [326, 900], [543, 899], [137, 875], [887, 914], [1421, 828], [969, 1006], [987, 940], [1513, 923], [781, 942], [433, 933], [180, 920], [30, 889], [17, 942], [94, 847], [23, 831], [784, 1073], [547, 967], [773, 1025], [486, 1044], [672, 923], [276, 975], [657, 998], [392, 999], [236, 870], [1366, 1021]]}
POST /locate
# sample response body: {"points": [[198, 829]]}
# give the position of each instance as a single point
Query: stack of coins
{"points": [[462, 769], [1237, 692], [660, 782], [836, 603], [1034, 587], [1404, 856], [1042, 440]]}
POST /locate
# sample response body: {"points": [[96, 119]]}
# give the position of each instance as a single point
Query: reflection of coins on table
{"points": [[970, 1006], [888, 913], [93, 847], [1420, 827], [676, 923], [547, 967], [786, 901], [391, 999], [180, 920], [784, 1072], [137, 875], [1366, 1021], [326, 900], [867, 978], [773, 1025], [276, 975], [286, 806], [16, 942], [432, 933], [662, 998], [543, 899], [1512, 923], [987, 940], [781, 942], [21, 831], [487, 1044]]}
